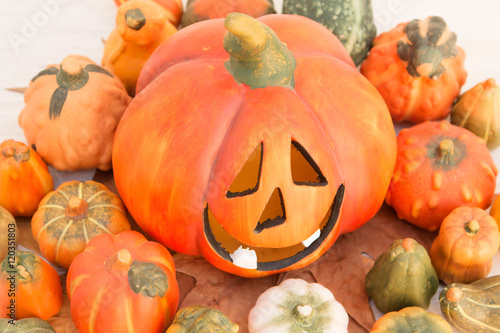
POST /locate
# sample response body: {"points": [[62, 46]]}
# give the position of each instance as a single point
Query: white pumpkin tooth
{"points": [[244, 258], [311, 239]]}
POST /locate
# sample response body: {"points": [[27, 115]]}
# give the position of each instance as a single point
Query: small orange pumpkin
{"points": [[200, 10], [464, 249], [71, 114], [171, 8], [440, 167], [141, 26], [478, 110], [418, 69], [70, 216], [24, 176], [122, 283], [29, 287]]}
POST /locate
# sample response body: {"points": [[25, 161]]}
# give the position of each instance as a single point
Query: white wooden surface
{"points": [[35, 33]]}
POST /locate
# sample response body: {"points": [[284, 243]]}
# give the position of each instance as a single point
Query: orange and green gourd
{"points": [[351, 21], [71, 113], [122, 283], [69, 217], [402, 277], [412, 319], [473, 307], [464, 249], [256, 182], [478, 110], [31, 284], [24, 176], [440, 167], [141, 26], [418, 69], [201, 10], [201, 319], [172, 9]]}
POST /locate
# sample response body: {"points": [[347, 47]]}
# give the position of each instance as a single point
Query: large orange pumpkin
{"points": [[257, 159]]}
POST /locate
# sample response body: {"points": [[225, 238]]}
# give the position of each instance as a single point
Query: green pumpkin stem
{"points": [[257, 57], [472, 227], [447, 152], [18, 155], [427, 47], [135, 19]]}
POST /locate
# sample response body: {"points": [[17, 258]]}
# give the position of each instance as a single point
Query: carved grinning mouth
{"points": [[269, 259]]}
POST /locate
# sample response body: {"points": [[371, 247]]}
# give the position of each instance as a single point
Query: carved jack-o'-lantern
{"points": [[258, 162]]}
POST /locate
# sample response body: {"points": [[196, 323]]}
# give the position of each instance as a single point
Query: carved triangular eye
{"points": [[247, 179], [304, 170], [273, 214]]}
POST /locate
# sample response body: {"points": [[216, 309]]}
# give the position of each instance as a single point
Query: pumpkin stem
{"points": [[408, 245], [447, 152], [18, 155], [119, 262], [489, 84], [77, 209], [72, 76], [257, 57], [305, 315], [454, 294], [428, 47], [472, 227], [135, 19]]}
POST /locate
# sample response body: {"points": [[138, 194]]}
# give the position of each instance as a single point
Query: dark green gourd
{"points": [[350, 20], [402, 277]]}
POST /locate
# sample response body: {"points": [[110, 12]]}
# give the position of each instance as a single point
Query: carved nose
{"points": [[273, 214]]}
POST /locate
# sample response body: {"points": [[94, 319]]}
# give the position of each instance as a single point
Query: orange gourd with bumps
{"points": [[171, 8], [418, 69], [440, 167]]}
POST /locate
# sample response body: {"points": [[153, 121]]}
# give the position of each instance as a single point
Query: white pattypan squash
{"points": [[296, 306]]}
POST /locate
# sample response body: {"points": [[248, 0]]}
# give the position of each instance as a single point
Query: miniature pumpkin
{"points": [[30, 287], [411, 320], [478, 110], [171, 8], [141, 26], [464, 249], [297, 306], [473, 307], [402, 277], [418, 69], [24, 176], [122, 283], [256, 182], [440, 167], [27, 325], [71, 114], [9, 235], [351, 21], [197, 318], [69, 217], [200, 10]]}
